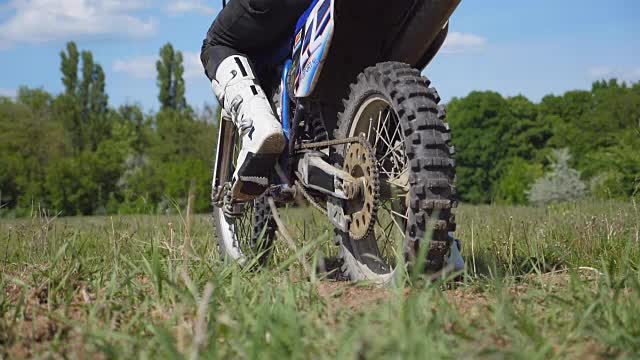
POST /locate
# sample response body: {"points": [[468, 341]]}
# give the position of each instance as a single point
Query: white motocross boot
{"points": [[240, 95]]}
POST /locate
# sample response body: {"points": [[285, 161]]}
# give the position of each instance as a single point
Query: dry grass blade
{"points": [[186, 246], [282, 230], [78, 298], [200, 327]]}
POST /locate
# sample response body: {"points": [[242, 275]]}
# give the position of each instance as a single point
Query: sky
{"points": [[528, 47]]}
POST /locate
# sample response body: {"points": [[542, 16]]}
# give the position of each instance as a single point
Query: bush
{"points": [[562, 183]]}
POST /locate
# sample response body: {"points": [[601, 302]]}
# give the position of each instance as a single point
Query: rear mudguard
{"points": [[423, 32], [433, 49]]}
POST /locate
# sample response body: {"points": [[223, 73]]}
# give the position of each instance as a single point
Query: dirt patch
{"points": [[37, 324], [351, 296], [467, 302], [341, 297]]}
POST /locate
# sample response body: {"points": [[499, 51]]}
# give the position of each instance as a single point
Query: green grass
{"points": [[559, 282]]}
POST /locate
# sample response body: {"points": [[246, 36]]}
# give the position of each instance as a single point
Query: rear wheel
{"points": [[251, 229], [393, 106]]}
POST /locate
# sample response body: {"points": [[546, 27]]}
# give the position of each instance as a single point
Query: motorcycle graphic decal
{"points": [[316, 34]]}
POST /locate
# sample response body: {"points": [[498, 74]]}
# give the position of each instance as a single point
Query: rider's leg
{"points": [[250, 27], [261, 134], [243, 29]]}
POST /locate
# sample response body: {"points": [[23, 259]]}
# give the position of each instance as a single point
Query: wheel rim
{"points": [[377, 120]]}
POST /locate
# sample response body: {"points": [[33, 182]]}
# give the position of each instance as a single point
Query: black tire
{"points": [[255, 239], [264, 230], [429, 163], [251, 234]]}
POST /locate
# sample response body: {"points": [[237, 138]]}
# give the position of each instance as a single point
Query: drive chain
{"points": [[329, 143], [310, 199]]}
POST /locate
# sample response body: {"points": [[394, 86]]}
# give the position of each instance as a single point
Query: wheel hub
{"points": [[360, 162]]}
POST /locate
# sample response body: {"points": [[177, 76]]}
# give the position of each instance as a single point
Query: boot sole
{"points": [[255, 174]]}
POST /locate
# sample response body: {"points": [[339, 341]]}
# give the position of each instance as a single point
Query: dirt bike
{"points": [[378, 164]]}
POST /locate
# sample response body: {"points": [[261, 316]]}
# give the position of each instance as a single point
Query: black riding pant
{"points": [[249, 28]]}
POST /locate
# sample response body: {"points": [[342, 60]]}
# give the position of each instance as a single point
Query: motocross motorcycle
{"points": [[368, 143]]}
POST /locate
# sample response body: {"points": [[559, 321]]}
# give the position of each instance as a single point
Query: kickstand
{"points": [[282, 229]]}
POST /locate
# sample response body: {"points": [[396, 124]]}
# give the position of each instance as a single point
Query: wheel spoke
{"points": [[381, 137], [397, 131], [398, 159], [400, 215], [391, 151], [393, 215], [375, 145], [387, 236], [391, 160]]}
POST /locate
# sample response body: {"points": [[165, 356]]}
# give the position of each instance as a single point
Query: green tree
{"points": [[70, 186], [516, 180], [99, 120], [93, 102], [527, 133], [170, 79], [479, 123], [85, 88], [84, 105], [69, 68], [30, 140], [66, 110], [133, 115], [73, 154], [179, 134], [99, 100], [619, 171], [66, 106]]}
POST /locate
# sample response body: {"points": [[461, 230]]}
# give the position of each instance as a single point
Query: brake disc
{"points": [[360, 162]]}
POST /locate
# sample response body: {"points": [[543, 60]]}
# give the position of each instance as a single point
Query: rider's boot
{"points": [[263, 141]]}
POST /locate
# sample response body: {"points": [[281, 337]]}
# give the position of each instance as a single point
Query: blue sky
{"points": [[513, 47]]}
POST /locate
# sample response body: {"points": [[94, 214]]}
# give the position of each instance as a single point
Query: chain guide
{"points": [[359, 162]]}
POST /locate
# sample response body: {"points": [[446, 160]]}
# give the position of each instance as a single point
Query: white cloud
{"points": [[37, 21], [141, 67], [8, 92], [144, 67], [193, 65], [177, 7], [458, 42], [610, 72]]}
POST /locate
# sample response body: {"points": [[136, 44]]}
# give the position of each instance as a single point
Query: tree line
{"points": [[582, 143], [74, 154]]}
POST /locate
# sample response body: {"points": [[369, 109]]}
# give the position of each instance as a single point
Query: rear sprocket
{"points": [[360, 163]]}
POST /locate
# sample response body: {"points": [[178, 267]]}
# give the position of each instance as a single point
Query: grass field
{"points": [[558, 282]]}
